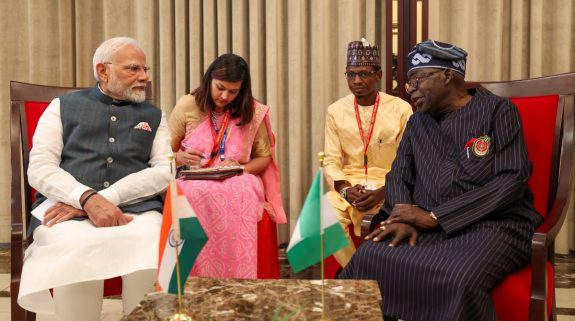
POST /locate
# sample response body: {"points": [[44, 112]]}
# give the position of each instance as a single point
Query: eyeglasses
{"points": [[412, 84], [362, 74], [132, 68]]}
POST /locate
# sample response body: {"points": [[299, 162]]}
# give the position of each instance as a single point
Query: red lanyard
{"points": [[217, 135], [371, 125]]}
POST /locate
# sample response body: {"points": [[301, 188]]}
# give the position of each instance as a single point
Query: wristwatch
{"points": [[343, 192]]}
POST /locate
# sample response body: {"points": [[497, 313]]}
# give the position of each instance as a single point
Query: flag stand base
{"points": [[179, 317]]}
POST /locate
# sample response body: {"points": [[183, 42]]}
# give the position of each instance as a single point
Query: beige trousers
{"points": [[344, 255]]}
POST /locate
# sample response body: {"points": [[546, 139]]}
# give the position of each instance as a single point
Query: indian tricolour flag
{"points": [[304, 249], [179, 226]]}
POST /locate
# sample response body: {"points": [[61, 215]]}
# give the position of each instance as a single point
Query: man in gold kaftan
{"points": [[362, 134]]}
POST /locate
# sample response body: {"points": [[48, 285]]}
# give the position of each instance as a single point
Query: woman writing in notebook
{"points": [[221, 124]]}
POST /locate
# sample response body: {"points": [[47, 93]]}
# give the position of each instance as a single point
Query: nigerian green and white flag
{"points": [[304, 249]]}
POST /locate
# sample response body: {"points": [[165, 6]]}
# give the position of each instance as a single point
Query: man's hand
{"points": [[105, 214], [399, 231], [413, 215], [354, 192], [368, 199], [61, 212]]}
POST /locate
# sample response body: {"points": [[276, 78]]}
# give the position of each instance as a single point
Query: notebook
{"points": [[211, 173]]}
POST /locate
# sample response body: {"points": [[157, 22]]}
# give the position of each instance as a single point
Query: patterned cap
{"points": [[435, 54], [360, 53]]}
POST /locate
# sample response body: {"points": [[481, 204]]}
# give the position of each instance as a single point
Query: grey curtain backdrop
{"points": [[296, 50]]}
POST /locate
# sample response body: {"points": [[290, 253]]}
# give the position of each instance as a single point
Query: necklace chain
{"points": [[218, 115]]}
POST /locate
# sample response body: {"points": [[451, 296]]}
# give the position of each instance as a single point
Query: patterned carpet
{"points": [[565, 279]]}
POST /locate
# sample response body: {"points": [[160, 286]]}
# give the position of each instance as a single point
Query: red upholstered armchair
{"points": [[27, 103], [546, 106]]}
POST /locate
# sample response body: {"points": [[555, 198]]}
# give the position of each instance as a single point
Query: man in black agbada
{"points": [[457, 194]]}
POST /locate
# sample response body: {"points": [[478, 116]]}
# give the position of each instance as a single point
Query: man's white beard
{"points": [[136, 96], [128, 94]]}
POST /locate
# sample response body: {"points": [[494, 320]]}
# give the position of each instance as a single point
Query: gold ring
{"points": [[383, 228]]}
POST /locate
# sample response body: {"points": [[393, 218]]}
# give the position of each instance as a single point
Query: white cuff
{"points": [[76, 194], [111, 195]]}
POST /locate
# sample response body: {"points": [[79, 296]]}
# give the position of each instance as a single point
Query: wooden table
{"points": [[232, 299]]}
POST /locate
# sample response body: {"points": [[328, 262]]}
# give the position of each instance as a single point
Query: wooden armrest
{"points": [[369, 222], [539, 286], [17, 247]]}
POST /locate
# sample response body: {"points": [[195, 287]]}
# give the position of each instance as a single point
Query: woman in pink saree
{"points": [[221, 124]]}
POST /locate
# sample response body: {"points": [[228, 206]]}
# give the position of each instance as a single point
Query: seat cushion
{"points": [[113, 286], [268, 259], [511, 297], [331, 267]]}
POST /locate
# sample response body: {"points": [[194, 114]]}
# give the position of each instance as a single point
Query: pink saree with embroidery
{"points": [[229, 210]]}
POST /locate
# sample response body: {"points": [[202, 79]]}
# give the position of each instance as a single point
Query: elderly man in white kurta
{"points": [[99, 163]]}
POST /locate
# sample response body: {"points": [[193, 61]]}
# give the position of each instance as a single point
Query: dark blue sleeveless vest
{"points": [[101, 143]]}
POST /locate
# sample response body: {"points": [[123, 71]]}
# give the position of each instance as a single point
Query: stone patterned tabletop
{"points": [[294, 300]]}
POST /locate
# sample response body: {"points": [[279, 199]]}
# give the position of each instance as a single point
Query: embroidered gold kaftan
{"points": [[344, 153]]}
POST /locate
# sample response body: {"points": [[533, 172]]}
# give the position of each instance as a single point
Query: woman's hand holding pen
{"points": [[189, 157]]}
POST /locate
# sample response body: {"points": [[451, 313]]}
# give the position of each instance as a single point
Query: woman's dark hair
{"points": [[232, 68]]}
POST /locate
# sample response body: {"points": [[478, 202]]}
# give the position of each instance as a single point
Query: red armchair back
{"points": [[546, 106], [539, 116]]}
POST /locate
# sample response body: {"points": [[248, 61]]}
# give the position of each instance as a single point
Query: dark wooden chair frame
{"points": [[560, 186], [21, 192]]}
